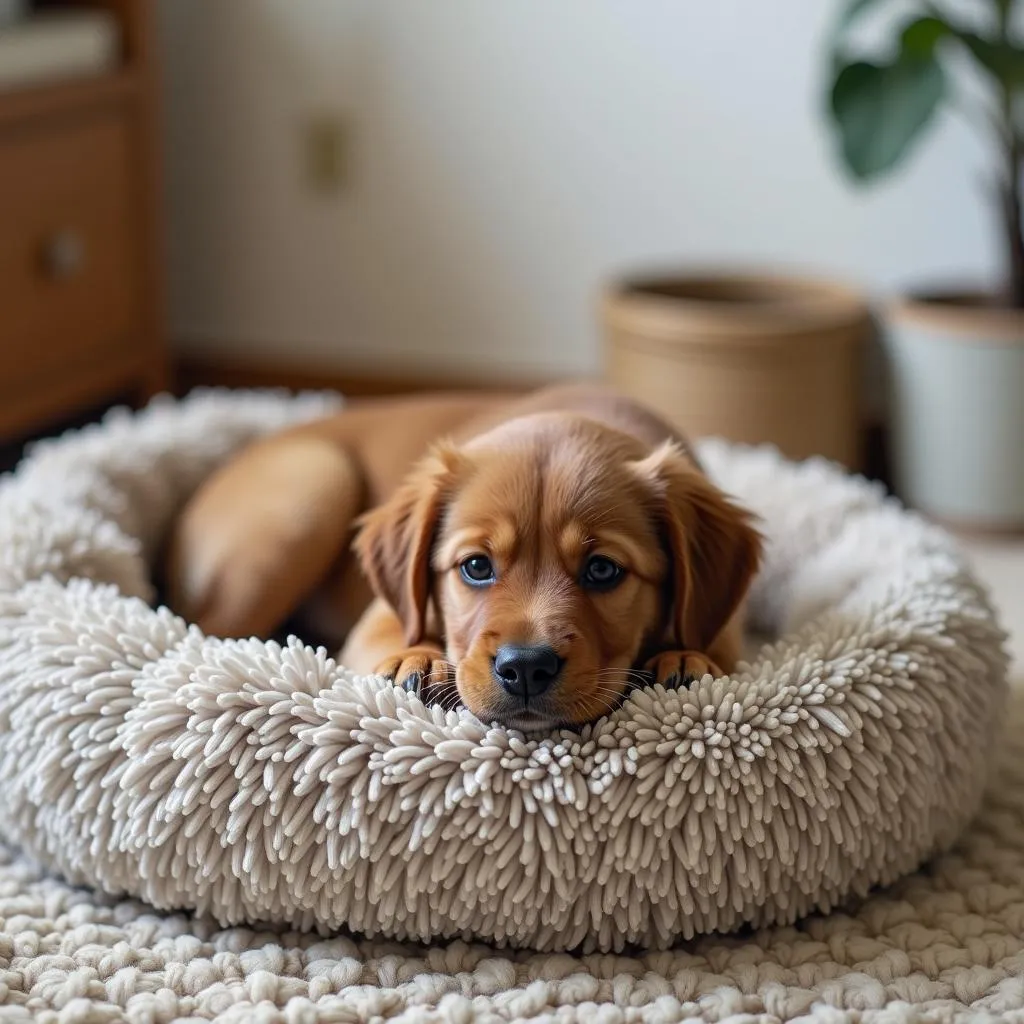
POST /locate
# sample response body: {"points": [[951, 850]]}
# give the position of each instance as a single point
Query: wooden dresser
{"points": [[81, 319]]}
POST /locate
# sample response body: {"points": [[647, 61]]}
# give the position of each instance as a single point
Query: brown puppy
{"points": [[528, 566]]}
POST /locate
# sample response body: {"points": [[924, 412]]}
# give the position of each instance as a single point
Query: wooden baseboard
{"points": [[192, 371]]}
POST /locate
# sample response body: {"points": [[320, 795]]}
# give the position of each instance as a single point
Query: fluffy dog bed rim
{"points": [[256, 782]]}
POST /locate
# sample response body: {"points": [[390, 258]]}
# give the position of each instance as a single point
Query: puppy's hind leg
{"points": [[261, 533]]}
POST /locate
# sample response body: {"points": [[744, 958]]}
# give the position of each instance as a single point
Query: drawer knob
{"points": [[64, 255]]}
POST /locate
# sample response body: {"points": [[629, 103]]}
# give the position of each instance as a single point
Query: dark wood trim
{"points": [[364, 382], [33, 104], [142, 51], [25, 410], [194, 371]]}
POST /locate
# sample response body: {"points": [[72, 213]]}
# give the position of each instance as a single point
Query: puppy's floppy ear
{"points": [[395, 539], [715, 551]]}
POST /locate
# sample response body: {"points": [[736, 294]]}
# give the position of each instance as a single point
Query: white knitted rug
{"points": [[255, 783]]}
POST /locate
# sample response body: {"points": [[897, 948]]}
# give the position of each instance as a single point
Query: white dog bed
{"points": [[260, 783]]}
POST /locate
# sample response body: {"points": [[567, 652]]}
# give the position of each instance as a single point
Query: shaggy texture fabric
{"points": [[255, 782], [945, 945]]}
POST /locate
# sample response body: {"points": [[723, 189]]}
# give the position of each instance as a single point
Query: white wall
{"points": [[509, 156]]}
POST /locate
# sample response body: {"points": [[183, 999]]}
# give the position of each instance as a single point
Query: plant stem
{"points": [[1012, 199], [1012, 208]]}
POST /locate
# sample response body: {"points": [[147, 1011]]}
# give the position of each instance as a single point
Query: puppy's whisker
{"points": [[621, 674], [612, 686], [608, 694], [447, 699], [628, 678]]}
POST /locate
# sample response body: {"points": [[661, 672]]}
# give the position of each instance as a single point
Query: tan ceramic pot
{"points": [[748, 357]]}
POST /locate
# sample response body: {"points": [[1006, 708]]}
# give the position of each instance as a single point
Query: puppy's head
{"points": [[557, 554]]}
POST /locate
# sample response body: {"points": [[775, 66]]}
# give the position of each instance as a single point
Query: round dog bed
{"points": [[257, 782]]}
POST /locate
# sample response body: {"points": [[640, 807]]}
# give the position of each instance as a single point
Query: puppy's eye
{"points": [[601, 573], [477, 570]]}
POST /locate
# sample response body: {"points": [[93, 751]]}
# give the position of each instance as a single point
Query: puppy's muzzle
{"points": [[526, 671]]}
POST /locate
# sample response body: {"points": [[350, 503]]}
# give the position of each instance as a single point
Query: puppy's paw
{"points": [[679, 668], [420, 670]]}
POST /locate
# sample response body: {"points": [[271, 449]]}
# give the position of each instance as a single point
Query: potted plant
{"points": [[956, 356]]}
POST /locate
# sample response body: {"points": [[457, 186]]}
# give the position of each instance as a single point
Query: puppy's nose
{"points": [[526, 671]]}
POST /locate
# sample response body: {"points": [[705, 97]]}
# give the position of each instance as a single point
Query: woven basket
{"points": [[746, 357]]}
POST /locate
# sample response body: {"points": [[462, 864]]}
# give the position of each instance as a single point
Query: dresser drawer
{"points": [[68, 253]]}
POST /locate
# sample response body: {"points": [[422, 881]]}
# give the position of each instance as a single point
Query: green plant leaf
{"points": [[880, 109], [1003, 60], [922, 35]]}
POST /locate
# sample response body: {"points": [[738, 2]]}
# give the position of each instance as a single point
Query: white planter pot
{"points": [[957, 411]]}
